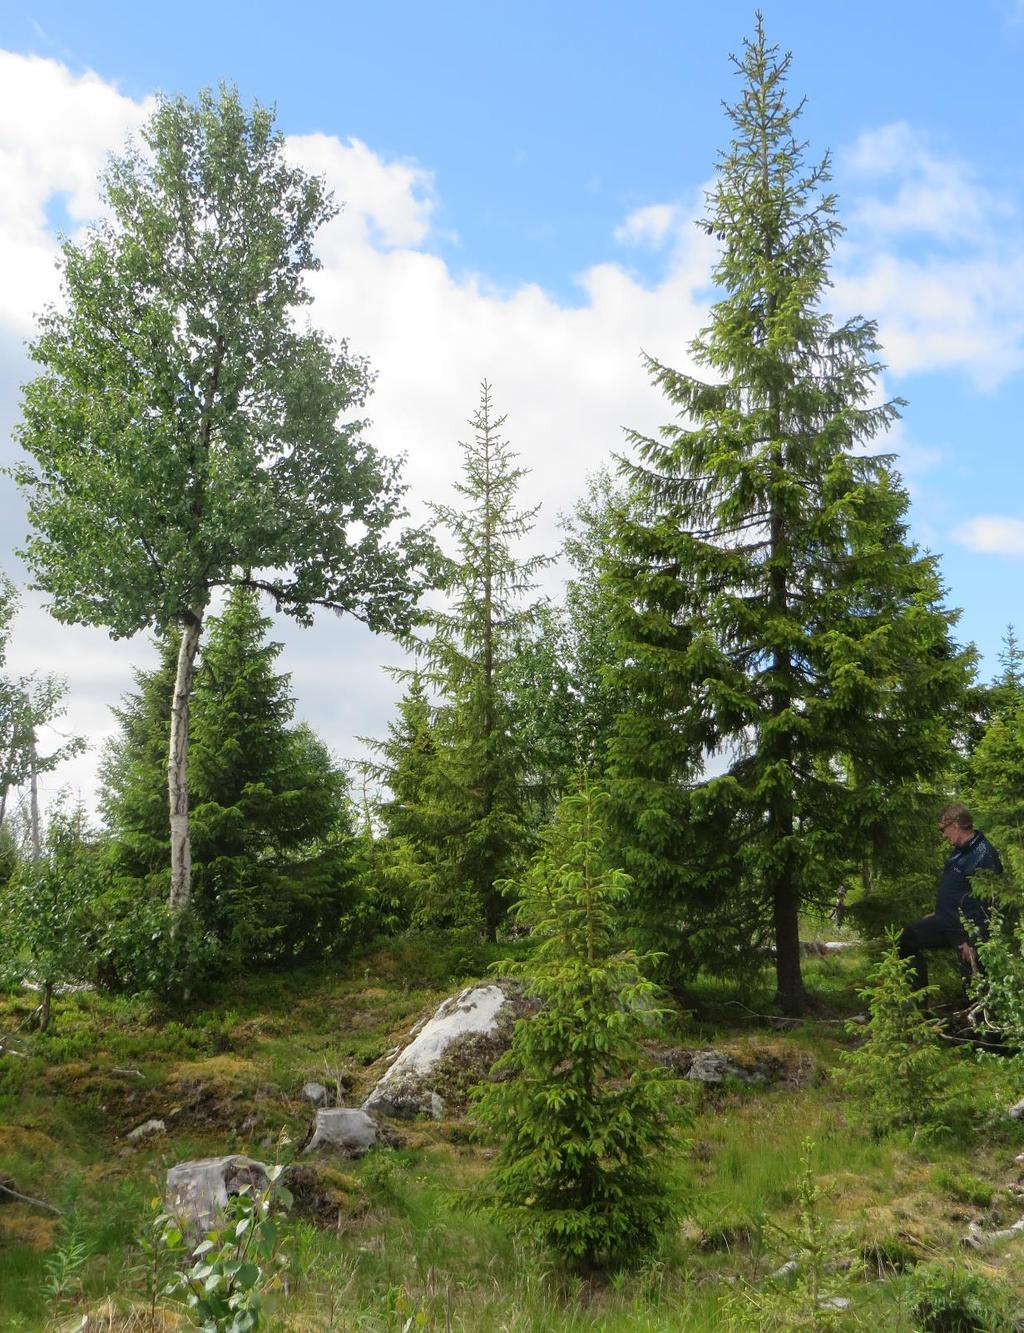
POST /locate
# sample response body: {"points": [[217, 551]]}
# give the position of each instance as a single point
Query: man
{"points": [[955, 901]]}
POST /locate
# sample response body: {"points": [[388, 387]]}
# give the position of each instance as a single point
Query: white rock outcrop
{"points": [[144, 1130], [474, 1026]]}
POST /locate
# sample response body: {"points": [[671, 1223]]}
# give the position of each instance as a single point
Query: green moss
{"points": [[64, 1109]]}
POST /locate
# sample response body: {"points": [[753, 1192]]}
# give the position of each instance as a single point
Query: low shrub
{"points": [[951, 1298]]}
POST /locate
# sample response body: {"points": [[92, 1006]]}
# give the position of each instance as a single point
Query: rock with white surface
{"points": [[449, 1052]]}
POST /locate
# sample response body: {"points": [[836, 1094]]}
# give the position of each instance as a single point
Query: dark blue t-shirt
{"points": [[954, 898]]}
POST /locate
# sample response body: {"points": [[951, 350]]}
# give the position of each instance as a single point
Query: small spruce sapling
{"points": [[810, 1302], [899, 1073], [587, 1124]]}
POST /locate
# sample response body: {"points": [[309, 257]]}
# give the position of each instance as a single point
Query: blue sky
{"points": [[521, 182], [543, 122]]}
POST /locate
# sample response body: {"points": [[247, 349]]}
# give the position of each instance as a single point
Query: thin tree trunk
{"points": [[177, 764], [44, 1013], [3, 806], [33, 798]]}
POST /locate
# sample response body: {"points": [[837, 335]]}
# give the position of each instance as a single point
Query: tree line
{"points": [[753, 660]]}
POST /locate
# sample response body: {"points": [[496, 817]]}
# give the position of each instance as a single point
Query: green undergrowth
{"points": [[377, 1243]]}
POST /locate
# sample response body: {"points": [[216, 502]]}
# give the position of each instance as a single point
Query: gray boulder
{"points": [[345, 1129], [314, 1092], [715, 1066], [198, 1192], [449, 1052], [144, 1130]]}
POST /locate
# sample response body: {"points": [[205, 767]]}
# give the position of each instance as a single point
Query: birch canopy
{"points": [[187, 431]]}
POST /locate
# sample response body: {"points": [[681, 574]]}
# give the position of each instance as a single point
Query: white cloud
{"points": [[651, 226], [387, 203], [939, 312], [934, 255], [56, 129], [993, 534], [918, 190]]}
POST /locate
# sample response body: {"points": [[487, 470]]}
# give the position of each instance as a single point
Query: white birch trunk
{"points": [[177, 765], [33, 799]]}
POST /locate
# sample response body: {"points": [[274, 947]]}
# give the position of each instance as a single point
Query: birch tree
{"points": [[188, 432], [27, 704]]}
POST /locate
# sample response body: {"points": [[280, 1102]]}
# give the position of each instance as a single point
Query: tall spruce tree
{"points": [[782, 643], [404, 850], [407, 758], [477, 793], [132, 798], [565, 702]]}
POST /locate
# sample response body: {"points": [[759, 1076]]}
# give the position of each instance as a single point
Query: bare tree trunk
{"points": [[177, 764], [790, 995], [33, 799]]}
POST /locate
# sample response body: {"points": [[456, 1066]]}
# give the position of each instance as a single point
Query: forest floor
{"points": [[387, 1242]]}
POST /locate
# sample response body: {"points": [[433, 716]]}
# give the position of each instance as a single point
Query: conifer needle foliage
{"points": [[467, 810], [900, 1074], [772, 614], [272, 834], [587, 1124]]}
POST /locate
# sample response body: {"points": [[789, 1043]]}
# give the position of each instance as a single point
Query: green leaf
{"points": [[247, 1276]]}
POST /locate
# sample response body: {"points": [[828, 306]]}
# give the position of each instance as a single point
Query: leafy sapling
{"points": [[238, 1263], [998, 991], [46, 912]]}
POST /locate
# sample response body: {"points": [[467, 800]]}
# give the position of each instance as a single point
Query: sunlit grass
{"points": [[402, 1241]]}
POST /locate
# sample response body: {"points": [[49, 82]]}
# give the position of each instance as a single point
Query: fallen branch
{"points": [[36, 1203], [781, 1021], [978, 1239]]}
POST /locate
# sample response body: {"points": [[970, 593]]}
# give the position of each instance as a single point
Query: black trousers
{"points": [[930, 933]]}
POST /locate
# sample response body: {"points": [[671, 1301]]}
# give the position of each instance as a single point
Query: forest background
{"points": [[506, 219], [756, 665]]}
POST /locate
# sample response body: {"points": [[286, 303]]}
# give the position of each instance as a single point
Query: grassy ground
{"points": [[375, 1244]]}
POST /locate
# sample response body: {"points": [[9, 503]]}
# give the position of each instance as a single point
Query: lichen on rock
{"points": [[450, 1052]]}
